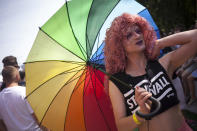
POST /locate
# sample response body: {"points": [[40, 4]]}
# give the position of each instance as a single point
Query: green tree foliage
{"points": [[169, 14]]}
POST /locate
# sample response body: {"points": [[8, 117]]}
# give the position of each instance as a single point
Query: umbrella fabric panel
{"points": [[58, 28], [98, 57], [93, 116], [94, 96], [103, 101], [145, 13], [78, 15], [96, 20], [53, 86], [55, 116], [75, 112], [41, 72], [45, 48]]}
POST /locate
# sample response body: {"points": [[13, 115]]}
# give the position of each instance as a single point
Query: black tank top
{"points": [[161, 87]]}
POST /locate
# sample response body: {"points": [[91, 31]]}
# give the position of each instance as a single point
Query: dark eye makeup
{"points": [[129, 35], [138, 31]]}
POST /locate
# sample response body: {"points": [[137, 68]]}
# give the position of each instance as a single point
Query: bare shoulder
{"points": [[117, 100], [114, 91]]}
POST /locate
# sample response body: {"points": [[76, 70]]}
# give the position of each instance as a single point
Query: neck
{"points": [[136, 64], [11, 84]]}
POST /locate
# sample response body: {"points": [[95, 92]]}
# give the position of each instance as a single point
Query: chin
{"points": [[142, 47]]}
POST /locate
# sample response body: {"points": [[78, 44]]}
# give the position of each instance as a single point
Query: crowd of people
{"points": [[15, 112]]}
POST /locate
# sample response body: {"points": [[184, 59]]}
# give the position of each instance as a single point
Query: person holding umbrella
{"points": [[130, 52]]}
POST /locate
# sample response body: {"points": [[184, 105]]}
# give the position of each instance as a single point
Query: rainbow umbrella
{"points": [[65, 68]]}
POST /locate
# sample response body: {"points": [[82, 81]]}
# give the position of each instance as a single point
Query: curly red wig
{"points": [[115, 55]]}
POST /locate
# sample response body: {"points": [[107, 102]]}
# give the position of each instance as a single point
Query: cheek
{"points": [[130, 48]]}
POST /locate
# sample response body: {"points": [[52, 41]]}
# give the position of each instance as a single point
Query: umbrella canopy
{"points": [[64, 69]]}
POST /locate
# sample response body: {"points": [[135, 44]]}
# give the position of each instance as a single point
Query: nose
{"points": [[136, 35]]}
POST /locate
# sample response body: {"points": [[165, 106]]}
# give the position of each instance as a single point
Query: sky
{"points": [[19, 24]]}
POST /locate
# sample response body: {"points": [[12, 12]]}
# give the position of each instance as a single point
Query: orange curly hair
{"points": [[115, 55]]}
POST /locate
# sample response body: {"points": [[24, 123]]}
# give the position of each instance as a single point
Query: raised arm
{"points": [[174, 59]]}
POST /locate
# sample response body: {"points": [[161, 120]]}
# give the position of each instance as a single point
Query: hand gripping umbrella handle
{"points": [[153, 113], [155, 102]]}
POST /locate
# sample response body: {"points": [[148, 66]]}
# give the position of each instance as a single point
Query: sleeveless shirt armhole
{"points": [[157, 62], [117, 83]]}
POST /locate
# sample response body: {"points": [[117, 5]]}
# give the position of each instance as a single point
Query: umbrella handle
{"points": [[153, 113]]}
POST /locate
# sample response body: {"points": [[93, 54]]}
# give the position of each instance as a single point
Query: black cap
{"points": [[10, 61]]}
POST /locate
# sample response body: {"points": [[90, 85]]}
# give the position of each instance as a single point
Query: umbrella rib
{"points": [[88, 43], [97, 57], [87, 39], [60, 44], [51, 79], [71, 71], [99, 78], [79, 44], [97, 46], [71, 96], [73, 62], [99, 60], [81, 81], [103, 21], [142, 10], [58, 93], [99, 104], [85, 88], [95, 94], [87, 74]]}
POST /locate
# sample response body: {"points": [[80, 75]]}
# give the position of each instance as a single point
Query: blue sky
{"points": [[19, 23]]}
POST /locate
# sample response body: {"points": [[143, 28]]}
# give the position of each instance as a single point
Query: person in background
{"points": [[131, 48], [187, 73], [9, 61], [22, 81], [15, 111], [22, 75], [191, 85]]}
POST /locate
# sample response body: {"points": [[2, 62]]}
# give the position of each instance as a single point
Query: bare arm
{"points": [[123, 122], [174, 59]]}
